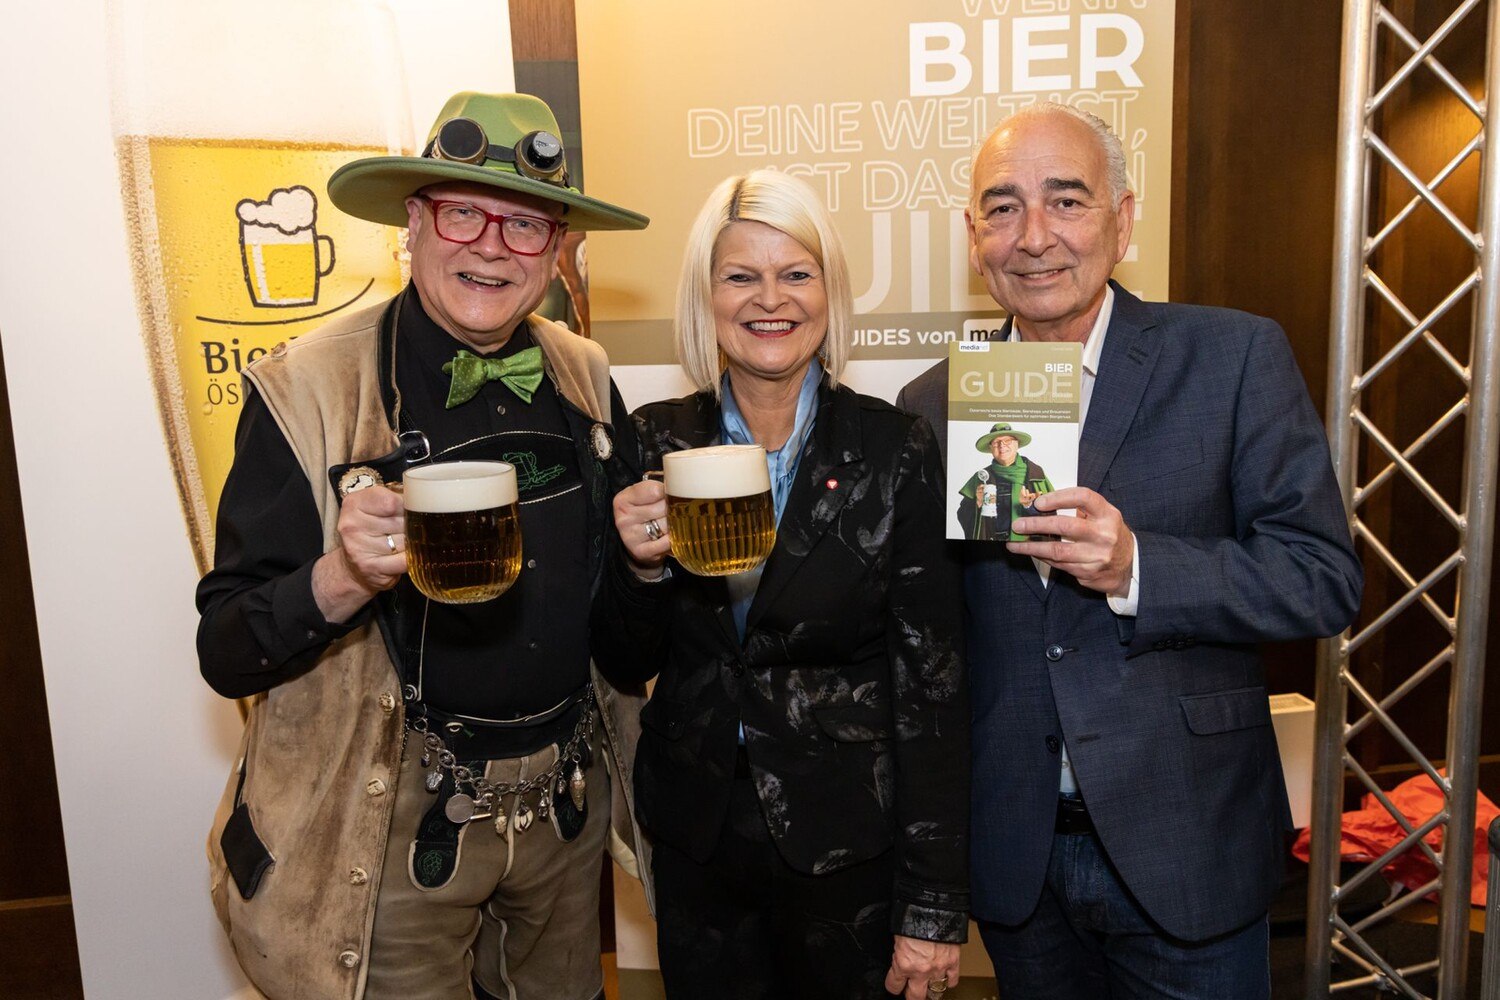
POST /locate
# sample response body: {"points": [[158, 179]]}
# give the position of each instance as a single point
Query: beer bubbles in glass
{"points": [[228, 121], [719, 509], [463, 530]]}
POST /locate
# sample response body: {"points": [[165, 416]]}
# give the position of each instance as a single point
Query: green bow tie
{"points": [[521, 373]]}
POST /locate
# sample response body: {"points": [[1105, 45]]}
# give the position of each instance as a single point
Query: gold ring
{"points": [[390, 543], [937, 987]]}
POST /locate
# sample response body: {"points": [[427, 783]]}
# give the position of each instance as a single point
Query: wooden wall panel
{"points": [[1255, 106], [33, 863]]}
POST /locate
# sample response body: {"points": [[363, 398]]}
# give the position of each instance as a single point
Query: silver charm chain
{"points": [[485, 796]]}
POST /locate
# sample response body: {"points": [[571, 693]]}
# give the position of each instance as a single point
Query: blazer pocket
{"points": [[856, 722], [664, 718], [1128, 472], [1226, 711]]}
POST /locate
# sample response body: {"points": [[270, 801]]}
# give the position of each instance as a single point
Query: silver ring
{"points": [[390, 543], [653, 530]]}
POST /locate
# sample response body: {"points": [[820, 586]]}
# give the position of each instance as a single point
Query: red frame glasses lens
{"points": [[435, 204]]}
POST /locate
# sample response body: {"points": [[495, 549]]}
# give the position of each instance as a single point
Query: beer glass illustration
{"points": [[280, 249], [226, 136]]}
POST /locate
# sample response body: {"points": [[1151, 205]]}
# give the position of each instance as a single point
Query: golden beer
{"points": [[463, 530], [225, 141], [215, 294], [719, 509]]}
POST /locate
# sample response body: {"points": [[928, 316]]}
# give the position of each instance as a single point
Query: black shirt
{"points": [[517, 655]]}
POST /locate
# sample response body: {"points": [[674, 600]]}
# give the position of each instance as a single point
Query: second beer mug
{"points": [[463, 530], [719, 509]]}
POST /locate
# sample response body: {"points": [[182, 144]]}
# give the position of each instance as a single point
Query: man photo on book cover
{"points": [[1003, 490]]}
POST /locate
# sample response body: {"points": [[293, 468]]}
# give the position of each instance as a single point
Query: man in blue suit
{"points": [[1128, 804]]}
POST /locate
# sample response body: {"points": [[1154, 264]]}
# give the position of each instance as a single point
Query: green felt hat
{"points": [[376, 188], [1002, 430]]}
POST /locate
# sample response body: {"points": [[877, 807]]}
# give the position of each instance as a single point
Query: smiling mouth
{"points": [[771, 326], [1038, 275], [481, 281]]}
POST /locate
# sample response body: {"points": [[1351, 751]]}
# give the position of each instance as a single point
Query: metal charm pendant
{"points": [[541, 804], [459, 809], [426, 760], [434, 781], [576, 787], [523, 818], [502, 821]]}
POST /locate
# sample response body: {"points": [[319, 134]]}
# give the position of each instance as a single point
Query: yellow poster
{"points": [[225, 144], [880, 107]]}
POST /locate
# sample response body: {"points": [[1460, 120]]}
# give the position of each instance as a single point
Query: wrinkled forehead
{"points": [[493, 199]]}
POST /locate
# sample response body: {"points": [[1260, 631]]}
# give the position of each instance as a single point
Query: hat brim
{"points": [[376, 189], [1022, 439]]}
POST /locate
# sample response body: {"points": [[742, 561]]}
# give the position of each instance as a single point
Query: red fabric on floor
{"points": [[1371, 831]]}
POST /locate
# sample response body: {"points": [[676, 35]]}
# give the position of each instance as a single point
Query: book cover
{"points": [[1013, 412]]}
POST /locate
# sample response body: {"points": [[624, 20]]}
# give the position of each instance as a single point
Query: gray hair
{"points": [[1109, 143]]}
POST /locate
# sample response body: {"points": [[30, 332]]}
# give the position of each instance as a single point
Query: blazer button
{"points": [[1053, 744], [348, 959], [1054, 652]]}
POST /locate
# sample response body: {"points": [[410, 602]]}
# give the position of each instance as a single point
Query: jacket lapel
{"points": [[831, 468], [1124, 372]]}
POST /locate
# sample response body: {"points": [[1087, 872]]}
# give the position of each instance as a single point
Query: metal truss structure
{"points": [[1381, 56]]}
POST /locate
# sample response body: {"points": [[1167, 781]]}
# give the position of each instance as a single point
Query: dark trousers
{"points": [[746, 926], [1090, 940]]}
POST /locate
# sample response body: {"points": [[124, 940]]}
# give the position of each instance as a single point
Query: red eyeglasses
{"points": [[461, 222]]}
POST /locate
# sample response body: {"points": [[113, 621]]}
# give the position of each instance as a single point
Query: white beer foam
{"points": [[451, 487], [327, 72], [288, 209], [724, 470]]}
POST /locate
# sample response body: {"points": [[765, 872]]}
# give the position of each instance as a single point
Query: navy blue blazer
{"points": [[1201, 432]]}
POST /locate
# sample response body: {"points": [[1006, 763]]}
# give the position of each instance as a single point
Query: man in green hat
{"points": [[423, 794], [1004, 490]]}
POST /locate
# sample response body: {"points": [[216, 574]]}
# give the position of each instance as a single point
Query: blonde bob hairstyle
{"points": [[782, 202]]}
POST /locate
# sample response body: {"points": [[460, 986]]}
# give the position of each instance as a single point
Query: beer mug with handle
{"points": [[463, 530], [719, 508], [228, 120]]}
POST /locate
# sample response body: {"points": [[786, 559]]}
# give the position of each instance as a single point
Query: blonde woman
{"points": [[803, 767]]}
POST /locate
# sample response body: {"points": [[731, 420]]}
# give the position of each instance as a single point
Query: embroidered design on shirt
{"points": [[528, 476]]}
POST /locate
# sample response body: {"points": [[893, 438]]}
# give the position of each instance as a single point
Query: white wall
{"points": [[142, 746]]}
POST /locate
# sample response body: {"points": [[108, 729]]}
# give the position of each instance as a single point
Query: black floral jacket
{"points": [[850, 683]]}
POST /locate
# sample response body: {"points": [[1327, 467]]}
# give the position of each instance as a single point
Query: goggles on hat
{"points": [[538, 155]]}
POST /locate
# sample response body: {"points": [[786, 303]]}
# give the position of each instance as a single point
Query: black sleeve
{"points": [[924, 639], [628, 632], [260, 625]]}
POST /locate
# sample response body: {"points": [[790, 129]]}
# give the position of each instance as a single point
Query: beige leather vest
{"points": [[321, 753]]}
